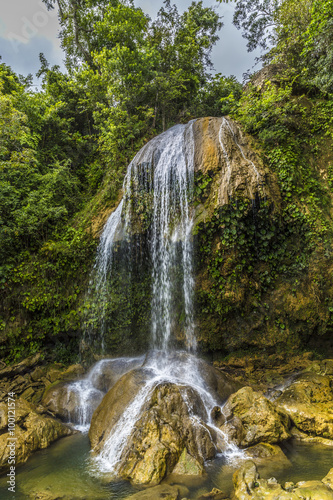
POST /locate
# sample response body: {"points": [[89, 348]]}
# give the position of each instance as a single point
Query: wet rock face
{"points": [[249, 486], [34, 430], [113, 406], [251, 419], [173, 421], [225, 154], [309, 403]]}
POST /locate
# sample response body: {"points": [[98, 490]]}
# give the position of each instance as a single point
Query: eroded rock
{"points": [[249, 486], [172, 421], [309, 403], [33, 431], [251, 419]]}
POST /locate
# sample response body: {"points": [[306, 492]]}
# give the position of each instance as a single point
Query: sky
{"points": [[27, 28]]}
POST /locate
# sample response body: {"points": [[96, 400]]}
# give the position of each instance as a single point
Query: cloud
{"points": [[24, 58], [27, 28]]}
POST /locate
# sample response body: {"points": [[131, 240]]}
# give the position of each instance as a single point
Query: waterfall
{"points": [[158, 202], [161, 175]]}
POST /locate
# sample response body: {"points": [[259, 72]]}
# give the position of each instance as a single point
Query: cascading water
{"points": [[162, 175], [157, 202]]}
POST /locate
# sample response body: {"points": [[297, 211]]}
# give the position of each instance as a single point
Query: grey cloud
{"points": [[24, 58]]}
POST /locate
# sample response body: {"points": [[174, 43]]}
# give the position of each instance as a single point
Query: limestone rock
{"points": [[60, 401], [166, 427], [251, 419], [33, 431], [305, 438], [309, 403], [113, 405], [249, 486], [263, 453], [215, 494], [111, 370], [328, 479], [187, 465], [231, 164]]}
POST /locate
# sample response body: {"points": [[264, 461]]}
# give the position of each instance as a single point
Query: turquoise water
{"points": [[63, 470]]}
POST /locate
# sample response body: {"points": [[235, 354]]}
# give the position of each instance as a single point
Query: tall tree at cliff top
{"points": [[296, 33], [143, 75]]}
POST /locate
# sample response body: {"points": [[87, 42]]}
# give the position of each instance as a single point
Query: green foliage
{"points": [[219, 96]]}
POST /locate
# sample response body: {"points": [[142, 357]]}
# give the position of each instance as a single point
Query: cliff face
{"points": [[263, 269], [264, 275]]}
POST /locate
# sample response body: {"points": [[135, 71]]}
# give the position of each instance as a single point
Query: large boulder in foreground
{"points": [[249, 486], [33, 431], [171, 428], [309, 403], [113, 406], [169, 434], [251, 419]]}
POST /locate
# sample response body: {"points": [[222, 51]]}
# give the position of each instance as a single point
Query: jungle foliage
{"points": [[64, 151]]}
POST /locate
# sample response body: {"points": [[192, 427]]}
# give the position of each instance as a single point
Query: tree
{"points": [[318, 46], [257, 19]]}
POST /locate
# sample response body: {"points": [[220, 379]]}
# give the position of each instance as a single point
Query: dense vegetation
{"points": [[65, 147]]}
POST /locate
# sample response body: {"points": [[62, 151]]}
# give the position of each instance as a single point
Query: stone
{"points": [[20, 368], [249, 486], [305, 438], [60, 401], [215, 494], [309, 403], [328, 479], [251, 419], [113, 405], [187, 465], [111, 370], [265, 453], [165, 428], [33, 431]]}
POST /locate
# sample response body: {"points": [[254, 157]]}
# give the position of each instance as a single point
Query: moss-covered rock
{"points": [[249, 486], [309, 403], [251, 419], [33, 431]]}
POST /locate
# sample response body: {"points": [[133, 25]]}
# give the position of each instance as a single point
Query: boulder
{"points": [[107, 372], [328, 479], [309, 403], [249, 486], [251, 419], [264, 454], [73, 402], [61, 401], [173, 420], [113, 406], [215, 494], [188, 465], [306, 438], [33, 431]]}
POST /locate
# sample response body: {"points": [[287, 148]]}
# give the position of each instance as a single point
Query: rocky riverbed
{"points": [[168, 440]]}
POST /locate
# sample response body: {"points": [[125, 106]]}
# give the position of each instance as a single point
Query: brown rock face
{"points": [[113, 405], [171, 426], [309, 403], [249, 486], [165, 429], [33, 431], [224, 154], [251, 419]]}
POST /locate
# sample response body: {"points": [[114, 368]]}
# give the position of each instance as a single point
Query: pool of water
{"points": [[64, 470]]}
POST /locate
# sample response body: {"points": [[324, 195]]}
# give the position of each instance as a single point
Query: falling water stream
{"points": [[163, 172]]}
